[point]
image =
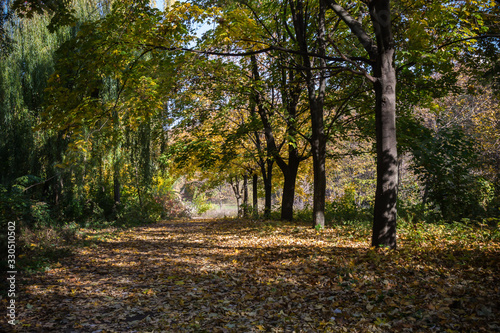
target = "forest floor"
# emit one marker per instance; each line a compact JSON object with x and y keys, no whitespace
{"x":246,"y":276}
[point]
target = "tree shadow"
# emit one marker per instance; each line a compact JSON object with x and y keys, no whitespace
{"x":187,"y":276}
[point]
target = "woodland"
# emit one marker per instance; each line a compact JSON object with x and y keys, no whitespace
{"x":251,"y":165}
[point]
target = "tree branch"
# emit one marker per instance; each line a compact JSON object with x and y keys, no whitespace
{"x":466,"y":39}
{"x":355,"y":27}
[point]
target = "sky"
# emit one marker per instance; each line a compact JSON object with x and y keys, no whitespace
{"x":201,"y":29}
{"x":159,"y":4}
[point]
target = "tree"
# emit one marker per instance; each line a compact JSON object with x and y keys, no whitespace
{"x":287,"y":29}
{"x":5,"y":40}
{"x":44,"y":156}
{"x":382,"y":57}
{"x":106,"y":93}
{"x":290,"y":91}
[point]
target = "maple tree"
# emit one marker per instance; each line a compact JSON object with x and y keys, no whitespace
{"x":381,"y":57}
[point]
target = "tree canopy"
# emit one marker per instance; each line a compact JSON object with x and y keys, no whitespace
{"x":125,"y":96}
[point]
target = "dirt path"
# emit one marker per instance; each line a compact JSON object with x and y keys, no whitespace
{"x":207,"y":276}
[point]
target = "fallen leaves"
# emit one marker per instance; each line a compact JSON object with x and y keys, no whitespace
{"x":243,"y":276}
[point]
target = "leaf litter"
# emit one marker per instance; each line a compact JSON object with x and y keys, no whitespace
{"x":249,"y":276}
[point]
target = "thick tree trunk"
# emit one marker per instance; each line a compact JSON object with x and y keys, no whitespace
{"x":381,"y":54}
{"x":384,"y":222}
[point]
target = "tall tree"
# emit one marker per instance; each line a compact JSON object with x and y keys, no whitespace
{"x":316,"y":87}
{"x":381,"y":52}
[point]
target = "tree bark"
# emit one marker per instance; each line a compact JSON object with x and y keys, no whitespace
{"x":291,"y":91}
{"x":384,"y":222}
{"x":272,"y":151}
{"x":381,"y":54}
{"x":255,"y":204}
{"x":316,"y":87}
{"x":288,"y":198}
{"x":319,"y":191}
{"x":235,"y":185}
{"x":268,"y":188}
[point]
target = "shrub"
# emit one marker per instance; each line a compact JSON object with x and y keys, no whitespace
{"x":172,"y":206}
{"x":444,"y":162}
{"x":345,"y":208}
{"x":200,"y":203}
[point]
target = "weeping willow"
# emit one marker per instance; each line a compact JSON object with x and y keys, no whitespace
{"x":29,"y":159}
{"x":77,"y":173}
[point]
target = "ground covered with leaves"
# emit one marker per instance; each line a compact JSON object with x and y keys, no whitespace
{"x":252,"y":276}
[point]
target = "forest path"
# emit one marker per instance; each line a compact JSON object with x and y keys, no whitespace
{"x":244,"y":276}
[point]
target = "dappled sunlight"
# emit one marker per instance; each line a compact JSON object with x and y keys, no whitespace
{"x":244,"y":276}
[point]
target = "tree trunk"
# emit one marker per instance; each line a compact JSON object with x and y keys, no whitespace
{"x":272,"y":153}
{"x":384,"y":222}
{"x":316,"y":87}
{"x":245,"y":195}
{"x":289,"y":191}
{"x":255,"y":206}
{"x":268,"y":188}
{"x":116,"y":188}
{"x":235,"y":185}
{"x":116,"y":191}
{"x":384,"y":79}
{"x":58,"y":188}
{"x":290,"y":92}
{"x":319,"y":190}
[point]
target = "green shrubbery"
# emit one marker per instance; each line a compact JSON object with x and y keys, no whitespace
{"x":445,"y":163}
{"x":345,"y":208}
{"x":200,"y":203}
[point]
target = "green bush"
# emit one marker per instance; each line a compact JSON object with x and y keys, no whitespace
{"x":40,"y":213}
{"x":16,"y":204}
{"x":444,"y":162}
{"x":345,"y":208}
{"x":200,"y":203}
